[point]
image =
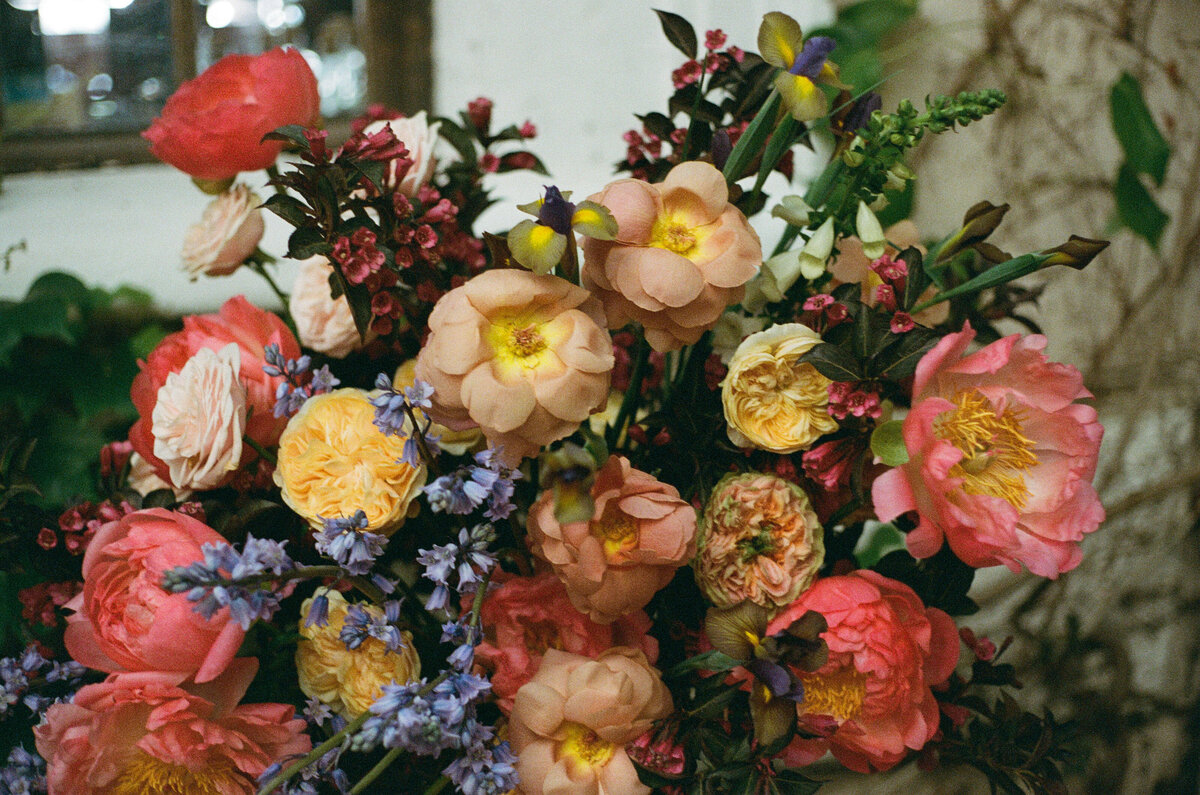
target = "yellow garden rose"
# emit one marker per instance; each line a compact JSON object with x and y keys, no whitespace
{"x":349,"y":680}
{"x":333,"y":461}
{"x":771,"y":401}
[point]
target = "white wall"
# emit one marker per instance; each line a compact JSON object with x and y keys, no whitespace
{"x":578,"y":70}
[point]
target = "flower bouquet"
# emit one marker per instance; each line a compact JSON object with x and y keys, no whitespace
{"x":615,"y":501}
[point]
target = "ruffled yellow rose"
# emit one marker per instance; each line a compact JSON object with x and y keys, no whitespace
{"x":771,"y":401}
{"x":349,"y":680}
{"x":333,"y":461}
{"x":453,"y":442}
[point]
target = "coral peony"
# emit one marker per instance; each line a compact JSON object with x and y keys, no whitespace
{"x":238,"y":321}
{"x":228,"y":233}
{"x":212,"y":126}
{"x":349,"y":680}
{"x":323,"y":323}
{"x":885,"y":651}
{"x":526,"y":616}
{"x":682,"y":254}
{"x":571,"y":722}
{"x":419,"y":138}
{"x":334,"y":460}
{"x":125,"y":621}
{"x":760,"y":540}
{"x":524,"y":357}
{"x":1001,"y":458}
{"x":771,"y":400}
{"x":134,"y":734}
{"x":639,"y":534}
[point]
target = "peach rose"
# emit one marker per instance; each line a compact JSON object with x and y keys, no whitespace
{"x":639,"y":534}
{"x":199,"y":419}
{"x":134,"y":734}
{"x":524,"y":357}
{"x":323,"y":323}
{"x":853,"y":266}
{"x":1000,"y":457}
{"x":238,"y":321}
{"x":570,"y":724}
{"x":886,"y":648}
{"x":526,"y":616}
{"x":760,"y":540}
{"x":682,"y":254}
{"x":333,"y":460}
{"x":772,"y":401}
{"x":419,"y":138}
{"x":125,"y":621}
{"x":228,"y":233}
{"x":349,"y":680}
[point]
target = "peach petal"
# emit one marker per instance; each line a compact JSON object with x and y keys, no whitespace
{"x":635,"y":206}
{"x":699,"y":184}
{"x":495,"y":404}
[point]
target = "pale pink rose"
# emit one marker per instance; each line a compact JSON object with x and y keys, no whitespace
{"x":570,"y":724}
{"x":323,"y":323}
{"x":853,"y":266}
{"x":522,"y":356}
{"x":886,"y":648}
{"x":145,"y":733}
{"x":614,"y":563}
{"x":228,"y":233}
{"x":682,"y":254}
{"x":125,"y":621}
{"x":526,"y":616}
{"x":199,"y":418}
{"x":1001,"y":457}
{"x":419,"y":138}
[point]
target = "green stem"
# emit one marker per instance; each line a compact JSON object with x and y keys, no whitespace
{"x":752,"y":139}
{"x":314,"y":754}
{"x":633,"y":393}
{"x":570,"y":265}
{"x":273,"y":173}
{"x":437,"y":786}
{"x":376,"y":771}
{"x":262,"y":451}
{"x":259,"y":267}
{"x":422,"y":446}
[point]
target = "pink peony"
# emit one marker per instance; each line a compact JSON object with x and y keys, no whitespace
{"x":1001,"y":458}
{"x":526,"y":616}
{"x":144,"y":733}
{"x":570,"y":724}
{"x":872,"y":699}
{"x":238,"y":321}
{"x":613,"y":564}
{"x":125,"y":621}
{"x":522,"y":356}
{"x":682,"y":254}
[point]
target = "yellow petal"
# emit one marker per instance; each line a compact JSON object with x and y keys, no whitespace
{"x":537,"y":247}
{"x":779,"y":39}
{"x":801,"y":97}
{"x":594,"y":220}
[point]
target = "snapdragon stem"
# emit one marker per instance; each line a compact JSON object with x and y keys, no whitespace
{"x":376,"y":771}
{"x":314,"y":754}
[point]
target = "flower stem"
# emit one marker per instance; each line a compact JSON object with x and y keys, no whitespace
{"x":262,"y":451}
{"x":437,"y":786}
{"x":376,"y":771}
{"x":422,"y":446}
{"x":570,"y":264}
{"x":633,"y":393}
{"x":314,"y":754}
{"x":273,"y":173}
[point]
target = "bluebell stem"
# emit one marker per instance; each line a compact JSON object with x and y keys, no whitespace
{"x":24,"y":773}
{"x":292,"y":391}
{"x":242,"y":581}
{"x":347,"y":541}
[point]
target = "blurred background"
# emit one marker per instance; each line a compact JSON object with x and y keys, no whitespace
{"x":1114,"y":646}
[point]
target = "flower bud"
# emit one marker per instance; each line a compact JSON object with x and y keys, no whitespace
{"x":792,"y":209}
{"x":870,"y":232}
{"x":817,"y":250}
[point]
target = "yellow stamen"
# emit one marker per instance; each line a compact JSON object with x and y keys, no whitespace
{"x":520,"y":342}
{"x":146,"y":775}
{"x":618,"y":531}
{"x":674,"y":236}
{"x":995,"y":452}
{"x":838,"y":694}
{"x":586,"y":746}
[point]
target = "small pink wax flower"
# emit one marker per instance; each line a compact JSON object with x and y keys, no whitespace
{"x":144,"y":732}
{"x":886,"y":648}
{"x":639,"y":534}
{"x":526,"y":616}
{"x":522,"y":356}
{"x":681,"y":255}
{"x":1001,"y":457}
{"x":125,"y":621}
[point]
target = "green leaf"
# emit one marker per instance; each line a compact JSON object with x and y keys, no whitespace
{"x":459,"y":138}
{"x":293,"y":133}
{"x":750,"y":143}
{"x":1003,"y":273}
{"x":679,"y":32}
{"x":521,"y":161}
{"x":1146,"y":151}
{"x":289,"y":208}
{"x":780,"y":142}
{"x":371,"y":170}
{"x":658,"y":124}
{"x":887,"y":443}
{"x":834,"y":362}
{"x":307,"y":241}
{"x":899,"y":206}
{"x":901,"y":360}
{"x":874,"y":544}
{"x":793,"y":782}
{"x":706,"y":661}
{"x":1137,"y":208}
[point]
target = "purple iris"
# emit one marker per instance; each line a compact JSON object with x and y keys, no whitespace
{"x":556,"y":212}
{"x":812,"y":58}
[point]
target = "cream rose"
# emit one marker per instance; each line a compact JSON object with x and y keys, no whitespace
{"x":199,"y":419}
{"x":419,"y":138}
{"x":323,"y":323}
{"x":228,"y":233}
{"x":771,"y":401}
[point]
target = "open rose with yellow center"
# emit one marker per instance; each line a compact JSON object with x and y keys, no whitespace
{"x":349,"y":680}
{"x":682,"y":254}
{"x":522,"y":356}
{"x":1001,"y":457}
{"x":570,"y":724}
{"x":334,"y":460}
{"x":773,"y":401}
{"x":759,"y":540}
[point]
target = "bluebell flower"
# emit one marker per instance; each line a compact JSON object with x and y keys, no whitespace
{"x":24,"y":773}
{"x":347,"y":541}
{"x":361,"y":624}
{"x":241,"y":581}
{"x":291,"y":393}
